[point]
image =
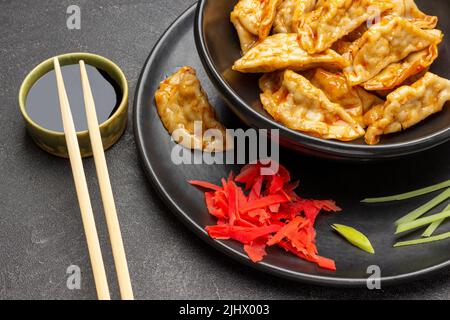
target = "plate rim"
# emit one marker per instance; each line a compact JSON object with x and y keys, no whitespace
{"x":220,"y":245}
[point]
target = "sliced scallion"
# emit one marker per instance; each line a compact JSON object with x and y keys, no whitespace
{"x":423,"y":240}
{"x":425,"y":208}
{"x":411,"y":225}
{"x":432,"y":228}
{"x":409,"y":195}
{"x":355,"y":237}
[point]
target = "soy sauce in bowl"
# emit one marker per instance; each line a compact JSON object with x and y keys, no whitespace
{"x":42,"y":103}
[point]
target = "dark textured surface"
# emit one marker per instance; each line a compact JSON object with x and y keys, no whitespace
{"x":40,"y":228}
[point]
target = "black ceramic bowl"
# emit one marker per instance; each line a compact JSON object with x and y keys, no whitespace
{"x":218,"y":47}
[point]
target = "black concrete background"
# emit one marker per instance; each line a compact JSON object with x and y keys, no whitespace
{"x":40,"y":228}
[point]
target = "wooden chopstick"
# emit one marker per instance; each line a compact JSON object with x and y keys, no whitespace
{"x":112,"y":221}
{"x":79,"y":177}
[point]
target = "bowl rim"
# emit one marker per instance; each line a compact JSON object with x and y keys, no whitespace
{"x":122,"y":81}
{"x":331,"y":147}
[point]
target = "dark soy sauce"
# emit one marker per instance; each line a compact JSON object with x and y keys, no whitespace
{"x":43,"y":103}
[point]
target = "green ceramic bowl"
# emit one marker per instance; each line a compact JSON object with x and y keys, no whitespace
{"x":54,"y":142}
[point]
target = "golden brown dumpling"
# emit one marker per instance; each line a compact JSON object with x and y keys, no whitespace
{"x":396,"y":74}
{"x":319,"y":29}
{"x":246,"y":38}
{"x":406,"y":9}
{"x":387,"y":42}
{"x":368,"y":99}
{"x":289,"y":13}
{"x":407,"y":106}
{"x":409,"y":10}
{"x":282,"y":51}
{"x":355,"y":100}
{"x":407,"y":82}
{"x":292,"y":100}
{"x":253,"y":20}
{"x":181,"y":103}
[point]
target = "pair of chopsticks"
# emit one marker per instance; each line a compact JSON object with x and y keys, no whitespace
{"x":84,"y":201}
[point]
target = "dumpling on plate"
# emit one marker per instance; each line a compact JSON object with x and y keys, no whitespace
{"x":335,"y":19}
{"x":246,"y":38}
{"x":409,"y":10}
{"x":289,"y":13}
{"x":384,"y":43}
{"x":182,"y":104}
{"x":355,"y":100}
{"x":253,"y":20}
{"x":396,"y":74}
{"x":283,"y":51}
{"x":295,"y":102}
{"x":407,"y":82}
{"x":407,"y":106}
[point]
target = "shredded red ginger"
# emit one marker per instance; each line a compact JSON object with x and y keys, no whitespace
{"x":267,"y":213}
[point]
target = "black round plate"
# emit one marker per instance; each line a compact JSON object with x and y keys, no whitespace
{"x":320,"y":179}
{"x":218,"y":54}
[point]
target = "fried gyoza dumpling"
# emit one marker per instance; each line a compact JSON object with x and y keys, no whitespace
{"x":292,"y":100}
{"x":253,"y":20}
{"x":387,"y":42}
{"x":407,"y":82}
{"x":397,"y":73}
{"x":407,"y":106}
{"x":282,"y":51}
{"x":319,"y":29}
{"x":289,"y":13}
{"x":355,"y":100}
{"x":246,"y":38}
{"x":408,"y":10}
{"x":181,"y":103}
